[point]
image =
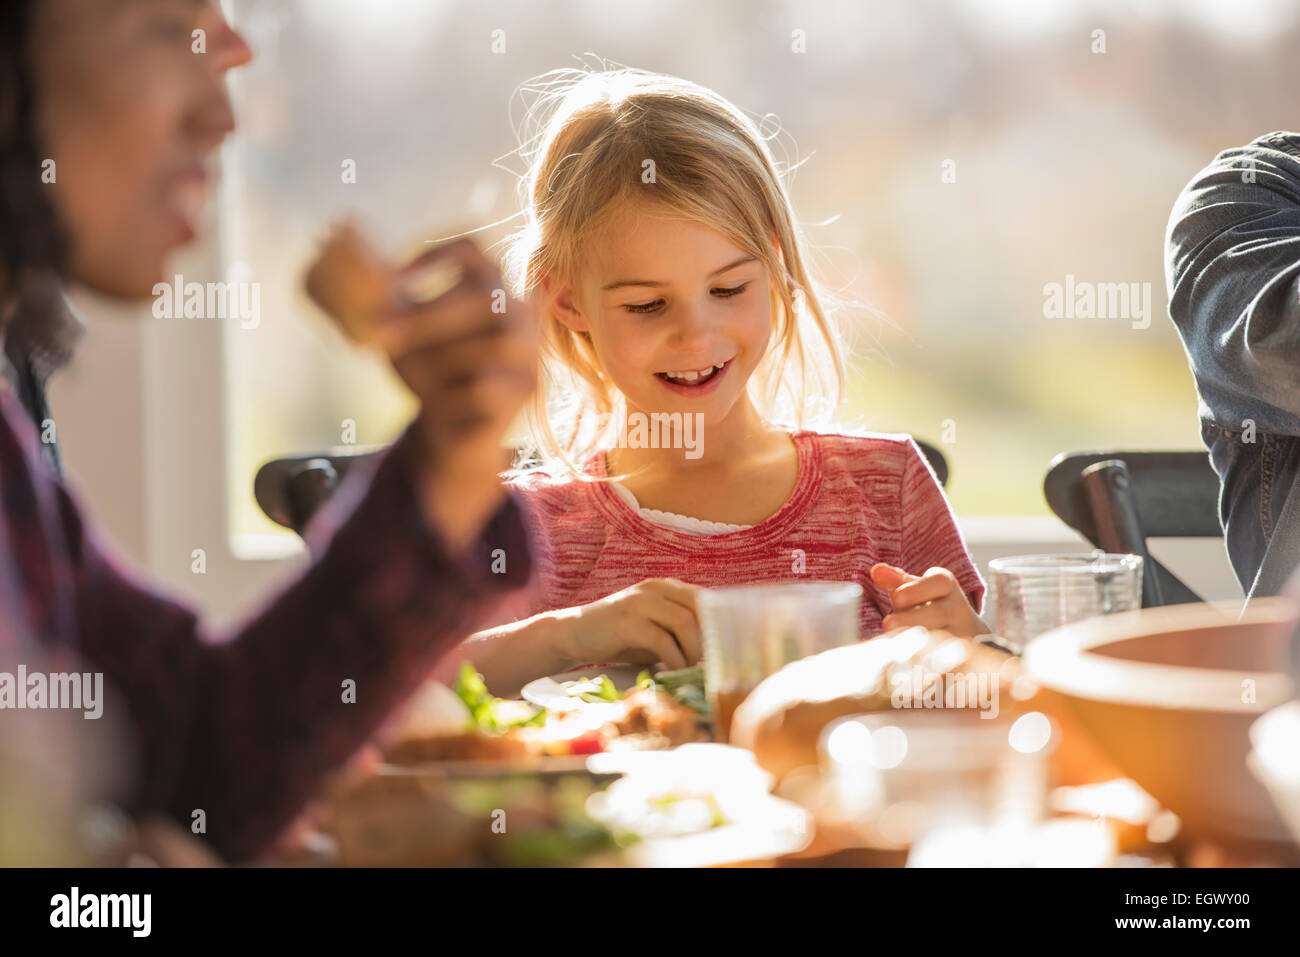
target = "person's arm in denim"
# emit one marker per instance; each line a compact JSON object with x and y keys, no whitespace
{"x":1233,"y":273}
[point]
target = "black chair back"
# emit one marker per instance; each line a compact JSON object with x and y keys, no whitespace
{"x":1117,"y":500}
{"x":936,"y":460}
{"x":293,"y":489}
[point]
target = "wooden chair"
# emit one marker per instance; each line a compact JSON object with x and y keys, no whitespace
{"x":1117,"y":500}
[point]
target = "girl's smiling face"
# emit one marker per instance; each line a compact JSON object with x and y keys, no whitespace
{"x":677,"y":313}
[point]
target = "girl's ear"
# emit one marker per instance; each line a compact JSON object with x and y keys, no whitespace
{"x":564,"y":303}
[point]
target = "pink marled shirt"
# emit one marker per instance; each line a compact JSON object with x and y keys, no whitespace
{"x":858,"y":500}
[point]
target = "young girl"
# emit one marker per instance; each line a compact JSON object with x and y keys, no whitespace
{"x":680,"y":325}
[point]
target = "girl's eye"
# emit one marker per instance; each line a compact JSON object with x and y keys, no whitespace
{"x":644,"y":307}
{"x":728,"y":293}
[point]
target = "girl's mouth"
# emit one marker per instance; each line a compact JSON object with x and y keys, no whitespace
{"x":695,"y":381}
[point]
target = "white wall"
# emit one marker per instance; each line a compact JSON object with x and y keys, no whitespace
{"x":141,"y":421}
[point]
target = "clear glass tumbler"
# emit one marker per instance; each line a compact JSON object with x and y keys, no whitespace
{"x":909,"y":780}
{"x":751,"y":631}
{"x":1035,"y":593}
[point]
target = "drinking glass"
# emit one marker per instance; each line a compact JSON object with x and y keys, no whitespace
{"x":924,"y":782}
{"x":1035,"y":593}
{"x":751,"y":631}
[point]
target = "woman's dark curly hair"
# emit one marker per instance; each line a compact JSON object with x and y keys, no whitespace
{"x":31,"y":240}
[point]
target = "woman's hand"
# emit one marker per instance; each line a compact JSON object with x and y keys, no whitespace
{"x":467,"y":351}
{"x":933,"y":600}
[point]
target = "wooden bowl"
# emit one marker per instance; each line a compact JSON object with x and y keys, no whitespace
{"x":1170,"y":694}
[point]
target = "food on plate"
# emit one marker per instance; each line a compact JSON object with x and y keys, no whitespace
{"x":591,"y":690}
{"x":408,"y":820}
{"x":489,"y":713}
{"x":687,"y":686}
{"x":702,"y":804}
{"x":585,"y":716}
{"x":470,"y":745}
{"x":523,"y":822}
{"x":782,"y":719}
{"x":463,"y":723}
{"x":395,"y":821}
{"x":650,"y":809}
{"x":654,"y":712}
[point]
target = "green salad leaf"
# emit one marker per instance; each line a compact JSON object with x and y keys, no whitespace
{"x":546,"y":823}
{"x":560,"y":844}
{"x":666,"y":801}
{"x":595,"y":689}
{"x":490,"y":713}
{"x":686,"y":685}
{"x":682,"y":677}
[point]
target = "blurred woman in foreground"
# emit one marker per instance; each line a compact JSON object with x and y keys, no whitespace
{"x":130,"y":107}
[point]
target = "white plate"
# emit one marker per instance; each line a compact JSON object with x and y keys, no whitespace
{"x":548,"y":693}
{"x":761,"y":826}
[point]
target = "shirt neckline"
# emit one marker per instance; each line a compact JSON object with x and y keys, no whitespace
{"x":807,"y":485}
{"x":686,"y":523}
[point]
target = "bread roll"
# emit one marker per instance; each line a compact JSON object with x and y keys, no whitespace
{"x":782,"y":719}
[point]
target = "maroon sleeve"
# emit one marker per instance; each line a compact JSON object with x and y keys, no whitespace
{"x":930,"y":534}
{"x":245,"y":727}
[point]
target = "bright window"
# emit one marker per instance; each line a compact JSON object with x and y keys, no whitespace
{"x":961,"y":157}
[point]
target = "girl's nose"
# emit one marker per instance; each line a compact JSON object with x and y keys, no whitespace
{"x":692,"y":328}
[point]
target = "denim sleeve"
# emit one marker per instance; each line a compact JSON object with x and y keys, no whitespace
{"x":1232,"y":267}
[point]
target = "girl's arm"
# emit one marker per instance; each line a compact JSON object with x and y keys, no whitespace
{"x":653,"y":621}
{"x":509,"y":656}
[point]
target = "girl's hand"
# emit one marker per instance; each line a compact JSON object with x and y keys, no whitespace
{"x":647,"y":623}
{"x":933,"y":600}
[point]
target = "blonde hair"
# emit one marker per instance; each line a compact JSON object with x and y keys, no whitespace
{"x":587,"y":140}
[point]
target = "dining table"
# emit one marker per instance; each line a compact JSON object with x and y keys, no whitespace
{"x":1100,"y":817}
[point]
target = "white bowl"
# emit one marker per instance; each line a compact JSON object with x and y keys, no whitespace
{"x":1170,"y":695}
{"x":1275,"y":760}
